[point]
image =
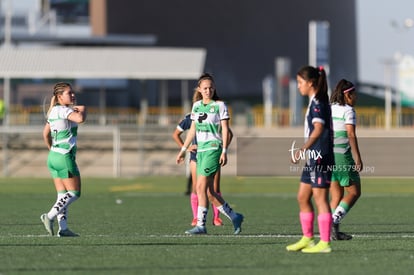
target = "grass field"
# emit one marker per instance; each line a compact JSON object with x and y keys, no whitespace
{"x":145,"y":233}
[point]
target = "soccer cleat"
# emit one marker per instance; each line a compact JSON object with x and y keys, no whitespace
{"x":237,"y":223}
{"x":336,"y":235}
{"x":304,"y":242}
{"x":47,"y":223}
{"x":197,"y":230}
{"x":321,"y":247}
{"x":217,"y":222}
{"x":66,"y":233}
{"x":340,"y":236}
{"x":335,"y":228}
{"x":194,"y":222}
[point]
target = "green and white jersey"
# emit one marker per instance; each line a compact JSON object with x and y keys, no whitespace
{"x":207,"y":120}
{"x":63,"y":131}
{"x":341,"y":116}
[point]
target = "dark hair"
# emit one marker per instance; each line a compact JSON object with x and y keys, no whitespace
{"x":207,"y":76}
{"x":341,"y":88}
{"x":318,"y":78}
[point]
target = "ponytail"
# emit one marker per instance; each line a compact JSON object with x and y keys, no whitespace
{"x":53,"y":102}
{"x":322,"y":86}
{"x":317,"y":76}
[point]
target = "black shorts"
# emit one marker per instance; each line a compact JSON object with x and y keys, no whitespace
{"x":316,"y":175}
{"x":193,"y":156}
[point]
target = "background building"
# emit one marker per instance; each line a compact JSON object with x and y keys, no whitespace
{"x":242,"y":38}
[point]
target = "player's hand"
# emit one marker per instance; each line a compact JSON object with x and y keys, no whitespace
{"x":180,"y":157}
{"x":79,"y":108}
{"x":296,"y":157}
{"x":223,"y":159}
{"x":358,"y":166}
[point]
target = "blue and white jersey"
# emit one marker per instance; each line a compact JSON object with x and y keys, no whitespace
{"x":185,"y":124}
{"x":320,"y":112}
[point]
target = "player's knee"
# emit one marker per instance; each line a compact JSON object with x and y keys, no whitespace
{"x":353,"y":196}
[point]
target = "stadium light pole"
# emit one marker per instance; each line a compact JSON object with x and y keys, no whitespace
{"x":6,"y":45}
{"x":6,"y":83}
{"x":7,"y":24}
{"x":406,"y":25}
{"x":388,"y":93}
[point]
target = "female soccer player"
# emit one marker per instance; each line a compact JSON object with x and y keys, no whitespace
{"x":60,"y":134}
{"x":318,"y":149}
{"x":348,"y":161}
{"x":185,"y":125}
{"x":210,"y":126}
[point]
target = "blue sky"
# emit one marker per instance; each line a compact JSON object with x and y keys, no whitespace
{"x":382,"y":35}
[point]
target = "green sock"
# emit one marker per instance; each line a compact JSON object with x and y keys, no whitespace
{"x":340,"y":212}
{"x":344,"y":206}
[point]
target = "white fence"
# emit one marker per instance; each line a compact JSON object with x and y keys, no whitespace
{"x":102,"y":151}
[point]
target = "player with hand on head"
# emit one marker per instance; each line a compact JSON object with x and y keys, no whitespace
{"x":60,"y":135}
{"x":348,"y":162}
{"x":210,"y":125}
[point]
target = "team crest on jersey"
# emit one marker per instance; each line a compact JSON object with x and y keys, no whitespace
{"x":212,"y":109}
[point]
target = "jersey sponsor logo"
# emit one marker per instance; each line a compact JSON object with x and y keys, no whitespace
{"x":202,"y":117}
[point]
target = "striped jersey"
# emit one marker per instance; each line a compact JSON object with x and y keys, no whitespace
{"x":341,"y":116}
{"x":63,"y":131}
{"x":207,"y":118}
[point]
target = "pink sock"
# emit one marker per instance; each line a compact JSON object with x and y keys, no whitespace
{"x":216,"y":212}
{"x":325,"y":224}
{"x":194,"y":204}
{"x":306,"y":220}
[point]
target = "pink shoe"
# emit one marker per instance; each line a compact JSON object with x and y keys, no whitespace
{"x":217,"y":222}
{"x":194,"y":222}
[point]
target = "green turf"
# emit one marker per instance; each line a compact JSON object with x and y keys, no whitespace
{"x":145,"y":234}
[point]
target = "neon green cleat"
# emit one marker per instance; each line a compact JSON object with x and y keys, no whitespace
{"x":305,"y":242}
{"x":321,"y":247}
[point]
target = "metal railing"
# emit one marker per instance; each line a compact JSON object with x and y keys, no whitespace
{"x":370,"y":117}
{"x":366,"y":117}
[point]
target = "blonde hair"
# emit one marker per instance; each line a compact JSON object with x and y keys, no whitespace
{"x":57,"y":90}
{"x":197,"y":95}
